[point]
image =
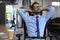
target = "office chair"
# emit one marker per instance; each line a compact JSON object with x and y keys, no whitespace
{"x":53,"y":27}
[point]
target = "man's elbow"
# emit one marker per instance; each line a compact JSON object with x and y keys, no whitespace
{"x":51,"y":9}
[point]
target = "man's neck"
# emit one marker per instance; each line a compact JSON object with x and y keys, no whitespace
{"x":36,"y":14}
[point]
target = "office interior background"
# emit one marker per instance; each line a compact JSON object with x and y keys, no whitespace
{"x":11,"y":22}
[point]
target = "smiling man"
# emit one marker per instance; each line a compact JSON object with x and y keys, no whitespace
{"x":36,"y":24}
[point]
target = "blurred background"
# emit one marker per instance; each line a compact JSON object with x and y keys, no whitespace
{"x":12,"y":25}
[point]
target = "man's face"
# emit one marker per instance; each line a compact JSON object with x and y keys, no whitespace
{"x":36,"y":8}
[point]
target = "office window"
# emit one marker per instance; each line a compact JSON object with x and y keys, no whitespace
{"x":9,"y":11}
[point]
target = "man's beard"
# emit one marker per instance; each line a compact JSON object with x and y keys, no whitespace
{"x":36,"y":12}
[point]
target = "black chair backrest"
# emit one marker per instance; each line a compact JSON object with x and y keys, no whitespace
{"x":53,"y":26}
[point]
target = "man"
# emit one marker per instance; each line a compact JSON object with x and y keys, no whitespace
{"x":36,"y":23}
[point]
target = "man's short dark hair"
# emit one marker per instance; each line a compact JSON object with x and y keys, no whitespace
{"x":33,"y":4}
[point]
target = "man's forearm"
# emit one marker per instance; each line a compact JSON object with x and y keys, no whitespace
{"x":28,"y":10}
{"x":45,"y":9}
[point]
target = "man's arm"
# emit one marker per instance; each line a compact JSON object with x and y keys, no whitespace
{"x":45,"y":9}
{"x":28,"y":10}
{"x":50,"y":12}
{"x":22,"y":12}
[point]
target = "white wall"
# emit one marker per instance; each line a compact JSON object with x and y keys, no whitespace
{"x":57,"y":12}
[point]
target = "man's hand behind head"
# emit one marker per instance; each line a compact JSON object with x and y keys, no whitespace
{"x":28,"y":10}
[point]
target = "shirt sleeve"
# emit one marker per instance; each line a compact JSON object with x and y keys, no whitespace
{"x":50,"y":12}
{"x":23,"y":14}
